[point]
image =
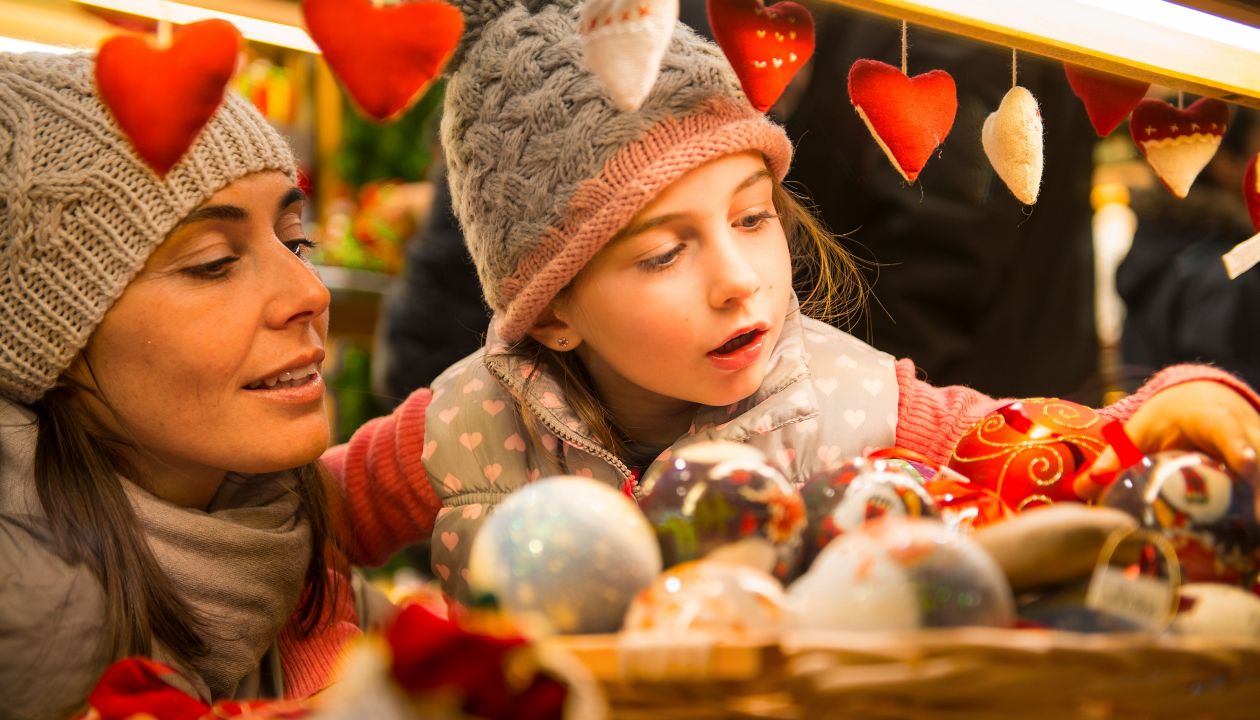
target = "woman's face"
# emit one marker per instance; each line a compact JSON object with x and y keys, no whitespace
{"x":688,"y":301}
{"x":210,"y":360}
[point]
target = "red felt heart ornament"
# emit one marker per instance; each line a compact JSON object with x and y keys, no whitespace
{"x":909,"y":116}
{"x":162,"y":98}
{"x":1251,"y":190}
{"x":765,"y":45}
{"x":1108,"y":98}
{"x":385,"y":57}
{"x":1178,"y":143}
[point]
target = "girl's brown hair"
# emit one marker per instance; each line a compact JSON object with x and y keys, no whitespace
{"x":828,"y":279}
{"x":77,"y":476}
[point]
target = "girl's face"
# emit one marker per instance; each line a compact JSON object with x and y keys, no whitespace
{"x":688,"y":300}
{"x":210,"y":360}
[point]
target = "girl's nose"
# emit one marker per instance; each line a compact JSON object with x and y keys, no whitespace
{"x":734,"y":278}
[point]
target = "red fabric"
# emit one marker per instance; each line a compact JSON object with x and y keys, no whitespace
{"x":1108,"y":99}
{"x":909,"y":116}
{"x":432,"y":653}
{"x":1251,"y":190}
{"x":386,"y":56}
{"x":137,"y":689}
{"x":162,"y":98}
{"x":766,"y":46}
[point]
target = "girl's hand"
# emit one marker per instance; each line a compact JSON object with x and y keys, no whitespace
{"x":1200,"y":415}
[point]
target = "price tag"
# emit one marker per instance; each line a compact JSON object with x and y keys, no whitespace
{"x":1137,"y":579}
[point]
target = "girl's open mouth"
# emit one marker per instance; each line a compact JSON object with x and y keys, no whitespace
{"x":735,"y":344}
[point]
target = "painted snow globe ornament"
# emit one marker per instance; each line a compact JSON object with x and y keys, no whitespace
{"x":566,"y":552}
{"x":859,"y":491}
{"x":1206,"y":512}
{"x":724,"y":500}
{"x":901,"y":574}
{"x":1031,"y":451}
{"x":704,"y":595}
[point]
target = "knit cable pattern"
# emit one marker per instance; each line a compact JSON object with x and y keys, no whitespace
{"x":80,"y":212}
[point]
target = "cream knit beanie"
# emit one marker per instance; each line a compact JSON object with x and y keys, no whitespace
{"x":80,"y":211}
{"x":545,"y":169}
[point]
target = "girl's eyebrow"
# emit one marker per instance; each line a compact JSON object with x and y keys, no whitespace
{"x":234,"y":213}
{"x":643,"y":226}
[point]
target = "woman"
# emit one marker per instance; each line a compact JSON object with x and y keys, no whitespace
{"x":161,"y":407}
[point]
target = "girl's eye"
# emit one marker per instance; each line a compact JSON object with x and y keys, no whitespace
{"x":301,"y":247}
{"x":662,"y":261}
{"x":213,"y":270}
{"x":755,"y":220}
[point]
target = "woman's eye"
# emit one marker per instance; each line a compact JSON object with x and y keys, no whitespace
{"x":662,"y":261}
{"x":301,"y":247}
{"x":755,"y":220}
{"x":213,"y":270}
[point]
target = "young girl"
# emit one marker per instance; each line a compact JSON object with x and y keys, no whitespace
{"x":161,"y":408}
{"x":639,"y":266}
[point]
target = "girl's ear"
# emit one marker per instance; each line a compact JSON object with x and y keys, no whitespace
{"x":551,"y":331}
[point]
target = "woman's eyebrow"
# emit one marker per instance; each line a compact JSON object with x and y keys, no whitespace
{"x":234,"y":213}
{"x":294,"y":194}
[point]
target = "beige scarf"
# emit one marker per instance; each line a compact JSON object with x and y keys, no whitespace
{"x":241,"y":565}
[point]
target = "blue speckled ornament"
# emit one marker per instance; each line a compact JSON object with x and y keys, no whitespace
{"x":568,"y":550}
{"x":724,"y":499}
{"x":1206,"y":512}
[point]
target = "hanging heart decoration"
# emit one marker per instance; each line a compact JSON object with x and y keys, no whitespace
{"x":161,"y":98}
{"x":1251,"y":190}
{"x":1177,"y":143}
{"x":1012,"y":140}
{"x":623,"y":42}
{"x":909,"y":116}
{"x":385,"y":57}
{"x":765,"y":45}
{"x":1108,"y":98}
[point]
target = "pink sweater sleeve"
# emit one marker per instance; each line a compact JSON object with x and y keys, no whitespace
{"x":387,"y":500}
{"x":930,"y":420}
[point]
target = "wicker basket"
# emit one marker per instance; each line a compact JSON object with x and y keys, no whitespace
{"x":970,"y":673}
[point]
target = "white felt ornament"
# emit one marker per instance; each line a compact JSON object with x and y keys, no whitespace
{"x":1012,"y":140}
{"x":624,"y":41}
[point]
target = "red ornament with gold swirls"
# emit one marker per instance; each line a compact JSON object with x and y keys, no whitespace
{"x":1029,"y":452}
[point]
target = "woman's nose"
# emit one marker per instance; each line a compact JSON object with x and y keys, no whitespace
{"x":300,"y":295}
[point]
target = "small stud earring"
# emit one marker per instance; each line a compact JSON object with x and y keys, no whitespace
{"x":563,"y":342}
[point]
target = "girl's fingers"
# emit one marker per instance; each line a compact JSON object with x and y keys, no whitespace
{"x":1090,"y":484}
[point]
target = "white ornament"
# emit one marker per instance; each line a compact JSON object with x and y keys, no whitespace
{"x":624,"y":41}
{"x":1012,"y":141}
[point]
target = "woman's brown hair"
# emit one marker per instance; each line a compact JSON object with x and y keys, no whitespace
{"x":78,"y":478}
{"x":828,"y":278}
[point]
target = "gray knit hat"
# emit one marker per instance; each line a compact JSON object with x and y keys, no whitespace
{"x":80,"y":212}
{"x":544,"y":169}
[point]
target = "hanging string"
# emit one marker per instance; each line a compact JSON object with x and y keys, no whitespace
{"x":163,"y":26}
{"x":1013,"y":61}
{"x":1181,"y":99}
{"x":903,"y":48}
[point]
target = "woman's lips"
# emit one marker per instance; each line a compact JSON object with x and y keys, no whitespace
{"x":742,"y":356}
{"x":309,"y":390}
